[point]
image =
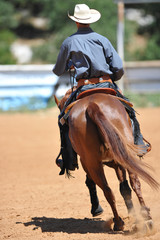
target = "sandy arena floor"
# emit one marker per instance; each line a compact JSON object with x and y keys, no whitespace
{"x":36,"y":203}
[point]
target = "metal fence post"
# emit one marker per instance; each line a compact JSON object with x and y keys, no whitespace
{"x":120,"y":37}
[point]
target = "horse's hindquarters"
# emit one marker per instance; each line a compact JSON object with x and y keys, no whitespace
{"x":84,"y":135}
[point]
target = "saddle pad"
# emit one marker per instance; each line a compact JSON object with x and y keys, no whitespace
{"x":102,"y":90}
{"x":97,"y":90}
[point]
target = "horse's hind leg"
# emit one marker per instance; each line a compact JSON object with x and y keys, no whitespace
{"x":125,"y":190}
{"x":124,"y":187}
{"x":96,"y":208}
{"x":136,"y":186}
{"x":97,"y":175}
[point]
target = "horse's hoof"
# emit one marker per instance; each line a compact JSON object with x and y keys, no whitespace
{"x":118,"y":225}
{"x":134,"y":228}
{"x":97,"y":211}
{"x":149,"y":224}
{"x":145,"y":228}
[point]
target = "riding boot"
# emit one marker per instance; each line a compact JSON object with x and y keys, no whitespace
{"x":69,"y":156}
{"x":138,"y":138}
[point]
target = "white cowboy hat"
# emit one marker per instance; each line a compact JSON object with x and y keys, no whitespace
{"x":83,"y":14}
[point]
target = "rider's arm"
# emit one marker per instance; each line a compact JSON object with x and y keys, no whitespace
{"x":114,"y":61}
{"x":61,"y":63}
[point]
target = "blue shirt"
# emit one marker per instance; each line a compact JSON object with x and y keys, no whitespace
{"x":91,"y":54}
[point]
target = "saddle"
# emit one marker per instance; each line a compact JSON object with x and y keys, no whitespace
{"x":89,"y":92}
{"x":96,"y":90}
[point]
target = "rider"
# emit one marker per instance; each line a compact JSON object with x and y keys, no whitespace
{"x":96,"y":64}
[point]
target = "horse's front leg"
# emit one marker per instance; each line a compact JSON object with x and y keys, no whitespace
{"x":96,"y":209}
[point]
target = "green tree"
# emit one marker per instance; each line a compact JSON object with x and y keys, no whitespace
{"x":6,"y":38}
{"x":149,"y":32}
{"x":15,"y":18}
{"x":7,"y":19}
{"x":63,"y":26}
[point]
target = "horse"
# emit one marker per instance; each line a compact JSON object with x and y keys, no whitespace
{"x":100,"y":131}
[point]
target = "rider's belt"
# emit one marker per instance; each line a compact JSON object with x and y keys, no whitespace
{"x":83,"y":81}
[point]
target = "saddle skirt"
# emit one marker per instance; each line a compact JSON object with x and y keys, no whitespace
{"x":96,"y":90}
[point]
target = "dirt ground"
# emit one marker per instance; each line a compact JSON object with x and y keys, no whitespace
{"x":36,"y":203}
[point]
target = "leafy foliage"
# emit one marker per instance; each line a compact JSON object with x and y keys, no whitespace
{"x":144,"y":99}
{"x":15,"y":16}
{"x":6,"y":37}
{"x":150,"y":32}
{"x":7,"y":19}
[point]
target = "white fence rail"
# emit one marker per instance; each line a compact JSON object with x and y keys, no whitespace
{"x":27,"y":80}
{"x":19,"y":83}
{"x":142,"y":76}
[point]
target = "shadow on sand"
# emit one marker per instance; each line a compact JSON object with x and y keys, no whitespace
{"x":67,"y":225}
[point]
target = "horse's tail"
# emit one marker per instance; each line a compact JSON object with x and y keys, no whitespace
{"x":123,"y":152}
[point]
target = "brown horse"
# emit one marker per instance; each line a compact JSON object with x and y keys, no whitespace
{"x":101,"y":133}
